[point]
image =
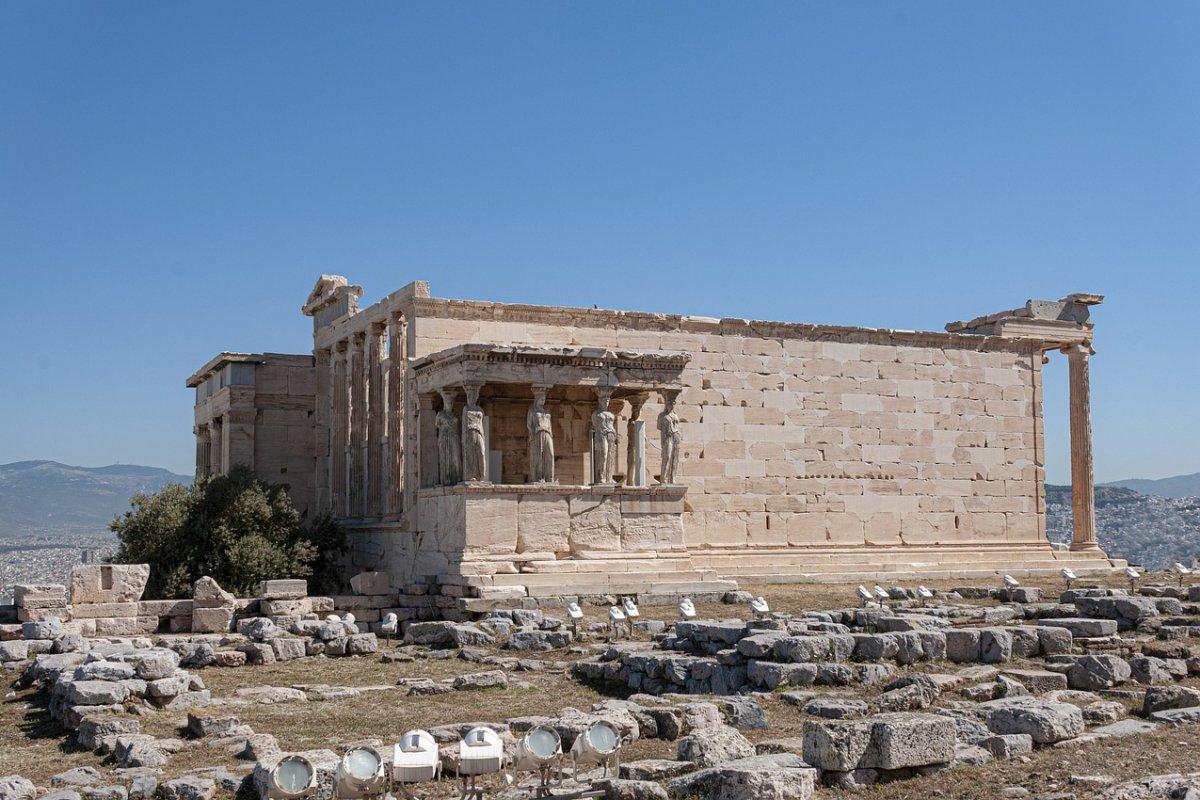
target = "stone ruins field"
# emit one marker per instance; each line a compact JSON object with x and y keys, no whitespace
{"x":1037,"y":692}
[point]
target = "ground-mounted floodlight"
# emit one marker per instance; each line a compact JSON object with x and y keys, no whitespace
{"x":360,"y":774}
{"x":1181,"y":571}
{"x":687,"y":609}
{"x":630,"y":608}
{"x":597,"y":746}
{"x":389,"y":625}
{"x":924,"y":593}
{"x":1010,"y":582}
{"x":415,"y":760}
{"x":539,"y":751}
{"x":864,"y":595}
{"x":1133,"y":576}
{"x":616,"y":618}
{"x":1069,"y":576}
{"x":481,"y":752}
{"x":292,"y":777}
{"x":881,"y":595}
{"x":760,"y":608}
{"x":574,"y":614}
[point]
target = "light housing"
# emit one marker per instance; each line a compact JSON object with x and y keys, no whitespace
{"x":881,"y":593}
{"x":1132,"y":573}
{"x":390,"y":623}
{"x":480,"y":752}
{"x":1011,"y":582}
{"x":630,"y":608}
{"x":864,"y":594}
{"x":292,"y":776}
{"x":924,"y":592}
{"x":416,"y":758}
{"x":759,"y":606}
{"x":574,"y":611}
{"x":687,"y":609}
{"x":598,"y":745}
{"x":538,"y":748}
{"x":1181,"y":569}
{"x":360,"y":773}
{"x":1067,"y":574}
{"x":615,"y":614}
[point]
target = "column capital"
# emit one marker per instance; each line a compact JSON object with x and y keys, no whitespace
{"x":1079,"y":350}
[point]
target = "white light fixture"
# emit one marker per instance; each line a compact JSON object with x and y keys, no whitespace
{"x":864,"y":594}
{"x":1010,"y":582}
{"x":360,"y":773}
{"x":481,"y":752}
{"x":687,"y":609}
{"x":539,"y":750}
{"x":924,"y":593}
{"x":416,"y":758}
{"x":1068,"y":575}
{"x":1133,"y":576}
{"x":389,"y":625}
{"x":630,"y":608}
{"x":598,"y":745}
{"x":881,"y":594}
{"x":760,"y":608}
{"x":616,"y":618}
{"x":1181,"y":571}
{"x":292,"y":777}
{"x":574,"y":614}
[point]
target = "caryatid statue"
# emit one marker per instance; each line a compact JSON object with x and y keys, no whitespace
{"x":474,"y":442}
{"x":449,"y":458}
{"x":604,"y":439}
{"x":541,"y":439}
{"x":670,"y":437}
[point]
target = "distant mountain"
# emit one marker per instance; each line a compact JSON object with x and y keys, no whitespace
{"x":48,"y":501}
{"x":1145,"y":529}
{"x":1177,"y":486}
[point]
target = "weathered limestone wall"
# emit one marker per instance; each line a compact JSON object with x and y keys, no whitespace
{"x":806,"y":436}
{"x":265,"y":420}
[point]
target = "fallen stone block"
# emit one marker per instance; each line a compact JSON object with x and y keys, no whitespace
{"x":1046,"y":722}
{"x":1095,"y":672}
{"x":713,"y":745}
{"x":781,"y":776}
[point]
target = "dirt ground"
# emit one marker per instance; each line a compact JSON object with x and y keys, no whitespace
{"x":33,"y":746}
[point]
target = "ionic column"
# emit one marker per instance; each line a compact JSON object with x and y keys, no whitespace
{"x":323,"y":484}
{"x":1083,"y":487}
{"x":340,"y":425}
{"x":635,"y":456}
{"x":358,"y":425}
{"x":375,"y":420}
{"x":216,"y":453}
{"x":202,"y":447}
{"x":397,"y":364}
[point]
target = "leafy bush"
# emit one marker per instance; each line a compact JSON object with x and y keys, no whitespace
{"x":233,"y":527}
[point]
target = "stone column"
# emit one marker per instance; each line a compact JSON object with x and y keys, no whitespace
{"x":203,"y":444}
{"x":322,"y":477}
{"x":427,"y":442}
{"x":358,"y":425}
{"x":216,"y":453}
{"x":340,"y":425}
{"x":375,"y":420}
{"x":1083,"y":487}
{"x":604,"y":438}
{"x":397,"y":365}
{"x":635,"y":456}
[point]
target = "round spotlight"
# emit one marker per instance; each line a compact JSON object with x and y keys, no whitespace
{"x":293,"y":776}
{"x":360,"y":773}
{"x":574,"y":611}
{"x":1011,"y":582}
{"x":539,"y":747}
{"x":598,"y":745}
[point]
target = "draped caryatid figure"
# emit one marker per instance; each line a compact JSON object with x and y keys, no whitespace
{"x":670,"y":438}
{"x":541,"y":439}
{"x":604,"y":439}
{"x":474,"y":439}
{"x":448,"y":443}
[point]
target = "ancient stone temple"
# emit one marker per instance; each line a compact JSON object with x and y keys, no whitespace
{"x":520,"y":450}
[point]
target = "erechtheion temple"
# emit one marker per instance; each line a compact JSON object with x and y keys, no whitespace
{"x":523,"y":451}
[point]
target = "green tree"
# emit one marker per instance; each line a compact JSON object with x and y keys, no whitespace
{"x":234,"y":527}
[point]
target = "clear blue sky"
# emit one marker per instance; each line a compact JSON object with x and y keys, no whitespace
{"x":173,"y":178}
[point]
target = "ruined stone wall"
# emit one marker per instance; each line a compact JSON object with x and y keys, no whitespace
{"x":809,"y":436}
{"x":284,"y":438}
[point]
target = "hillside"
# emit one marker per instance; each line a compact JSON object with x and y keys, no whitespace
{"x":1178,"y":486}
{"x":1146,"y":529}
{"x":48,"y":501}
